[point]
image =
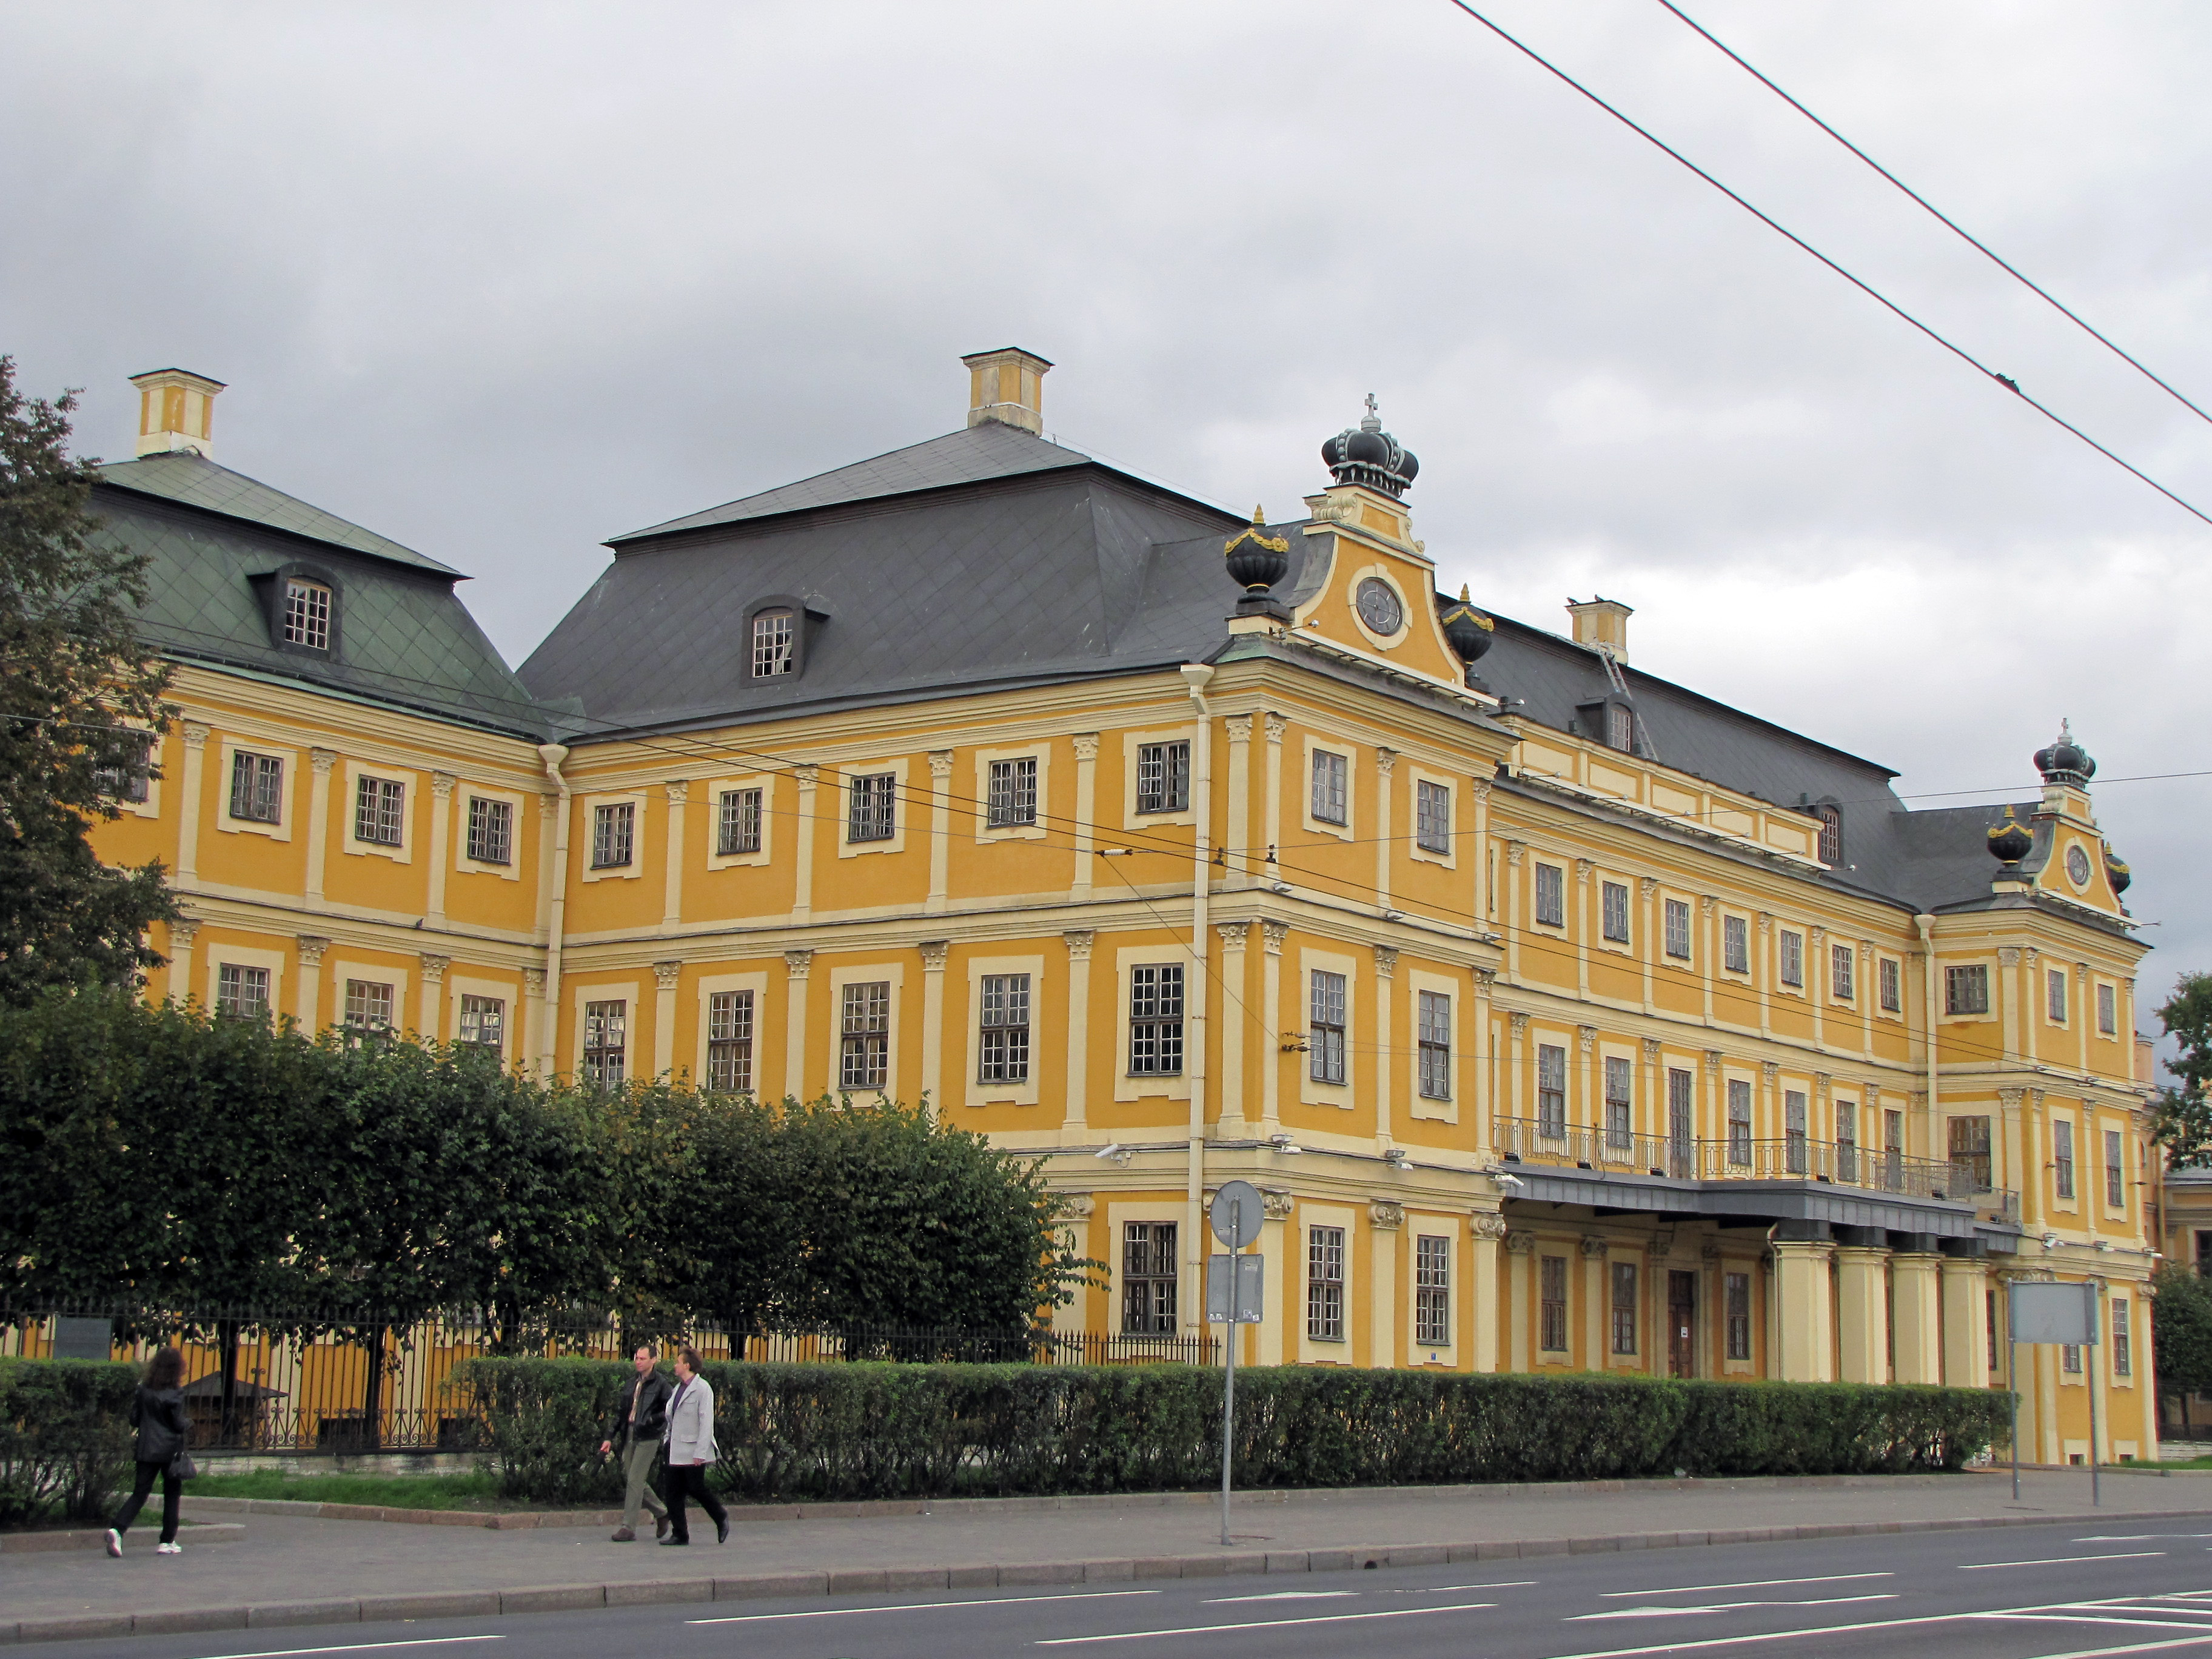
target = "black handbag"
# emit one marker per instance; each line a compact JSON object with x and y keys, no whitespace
{"x":181,"y":1466}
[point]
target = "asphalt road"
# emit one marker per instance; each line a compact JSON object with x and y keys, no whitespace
{"x":2073,"y":1590}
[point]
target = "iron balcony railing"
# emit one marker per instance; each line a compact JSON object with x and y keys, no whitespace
{"x":1738,"y":1157}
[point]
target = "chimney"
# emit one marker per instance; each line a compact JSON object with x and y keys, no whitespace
{"x":1602,"y":624}
{"x":176,"y":410}
{"x":1007,"y":386}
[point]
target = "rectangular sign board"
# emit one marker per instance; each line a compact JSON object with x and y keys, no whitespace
{"x":1251,"y":1287}
{"x":2053,"y":1313}
{"x":83,"y":1339}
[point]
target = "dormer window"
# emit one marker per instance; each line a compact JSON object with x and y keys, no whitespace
{"x":306,"y":614}
{"x":773,"y":637}
{"x":1620,"y":728}
{"x":1832,"y":833}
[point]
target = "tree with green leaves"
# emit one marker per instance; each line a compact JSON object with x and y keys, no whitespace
{"x":2181,"y":1333}
{"x":75,"y":684}
{"x":2181,"y":1120}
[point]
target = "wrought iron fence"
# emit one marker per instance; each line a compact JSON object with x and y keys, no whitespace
{"x":264,"y":1380}
{"x":1794,"y":1158}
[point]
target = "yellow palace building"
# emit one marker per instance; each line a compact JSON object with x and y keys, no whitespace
{"x":1566,"y":1019}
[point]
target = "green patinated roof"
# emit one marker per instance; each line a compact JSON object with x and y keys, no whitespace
{"x":196,"y":482}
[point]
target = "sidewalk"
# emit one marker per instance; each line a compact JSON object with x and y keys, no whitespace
{"x":290,"y":1569}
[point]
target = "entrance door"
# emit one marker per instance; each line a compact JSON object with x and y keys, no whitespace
{"x":1681,"y":1321}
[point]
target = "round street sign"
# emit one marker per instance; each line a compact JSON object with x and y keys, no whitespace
{"x":1242,"y":1199}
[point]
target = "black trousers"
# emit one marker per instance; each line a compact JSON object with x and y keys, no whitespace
{"x":682,"y":1480}
{"x":173,"y":1489}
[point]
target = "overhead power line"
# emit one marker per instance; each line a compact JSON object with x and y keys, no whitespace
{"x":1949,"y":223}
{"x":1863,"y":287}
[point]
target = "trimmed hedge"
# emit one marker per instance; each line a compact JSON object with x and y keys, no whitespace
{"x":65,"y":1438}
{"x":885,"y":1430}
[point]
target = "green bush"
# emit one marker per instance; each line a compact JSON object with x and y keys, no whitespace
{"x":872,"y":1430}
{"x":65,"y":1438}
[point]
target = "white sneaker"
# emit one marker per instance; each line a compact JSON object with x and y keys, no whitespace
{"x":115,"y":1543}
{"x":169,"y":1549}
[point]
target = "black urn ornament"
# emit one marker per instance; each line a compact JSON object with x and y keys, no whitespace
{"x":1256,"y":560}
{"x":2011,"y":841}
{"x":1366,"y":455}
{"x":2117,"y":871}
{"x":2065,"y":761}
{"x":1469,"y":631}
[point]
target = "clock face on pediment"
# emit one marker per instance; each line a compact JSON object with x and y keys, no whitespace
{"x":2077,"y":865}
{"x":1379,"y":606}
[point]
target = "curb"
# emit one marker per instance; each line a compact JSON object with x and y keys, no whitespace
{"x":568,"y":1598}
{"x":40,"y":1543}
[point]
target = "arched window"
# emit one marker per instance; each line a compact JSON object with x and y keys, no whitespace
{"x":1832,"y":833}
{"x":303,"y":605}
{"x":775,"y":636}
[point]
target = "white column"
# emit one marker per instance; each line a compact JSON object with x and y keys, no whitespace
{"x":306,"y":995}
{"x":666,"y":976}
{"x":1478,"y":790}
{"x":1271,"y":809}
{"x":536,"y":1038}
{"x":1386,"y":770}
{"x":1235,"y":1030}
{"x":1647,"y":933}
{"x":672,"y":907}
{"x":940,"y":828}
{"x":1086,"y":798}
{"x":1918,"y":1354}
{"x":933,"y":952}
{"x":1386,"y":1223}
{"x":796,"y":964}
{"x":441,"y":821}
{"x":1487,"y":1230}
{"x":182,"y":932}
{"x":802,"y":898}
{"x":1478,"y":1061}
{"x":434,"y":991}
{"x":1276,"y":1307}
{"x":1965,"y":1323}
{"x":1272,"y":935}
{"x":319,"y":819}
{"x":1386,"y":974}
{"x":188,"y":817}
{"x":1862,"y":1313}
{"x":1583,"y":869}
{"x":1239,"y":837}
{"x":1074,"y":1127}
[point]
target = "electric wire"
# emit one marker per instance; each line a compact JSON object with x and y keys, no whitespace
{"x":1949,"y":223}
{"x":1865,"y":287}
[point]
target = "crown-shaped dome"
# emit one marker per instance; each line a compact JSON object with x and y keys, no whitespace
{"x":2064,"y":760}
{"x":1366,"y":455}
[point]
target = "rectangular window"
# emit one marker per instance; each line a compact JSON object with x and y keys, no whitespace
{"x":2061,"y":1156}
{"x":1620,"y":1104}
{"x":1624,"y":1307}
{"x":1551,"y":1091}
{"x":1990,"y":1302}
{"x":242,"y":991}
{"x":772,"y":643}
{"x":738,"y":824}
{"x":2123,"y":1358}
{"x":730,"y":1041}
{"x":1892,"y":975}
{"x":491,"y":830}
{"x":605,"y":1042}
{"x":129,"y":778}
{"x":1325,"y":1029}
{"x":1735,"y":944}
{"x":1325,"y":1283}
{"x":1847,"y":1141}
{"x":1677,"y":928}
{"x":1681,"y":1124}
{"x":1013,"y":800}
{"x":1432,"y":1291}
{"x":1791,"y":952}
{"x":1966,"y":990}
{"x":306,"y":614}
{"x":1552,"y":894}
{"x":2115,"y":1179}
{"x":1148,"y":1277}
{"x":1614,"y":897}
{"x":1843,"y":962}
{"x":1329,"y":804}
{"x":1620,"y":728}
{"x":1739,"y":1123}
{"x":1005,"y":1034}
{"x":2108,"y":1010}
{"x":1970,"y":1152}
{"x":483,"y":1023}
{"x":2070,"y":1358}
{"x":614,"y":830}
{"x":1736,"y":1289}
{"x":2054,"y":995}
{"x":870,"y":814}
{"x":1793,"y":1132}
{"x":1156,"y":1020}
{"x":367,"y":1004}
{"x":864,"y":1052}
{"x":1435,"y":1039}
{"x":256,"y":788}
{"x":379,"y":811}
{"x":1551,"y":1335}
{"x":1164,"y":777}
{"x":1432,"y":817}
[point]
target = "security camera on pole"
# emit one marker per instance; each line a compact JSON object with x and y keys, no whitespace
{"x":1236,"y":1286}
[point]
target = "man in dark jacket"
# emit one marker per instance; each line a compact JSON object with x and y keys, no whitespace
{"x":640,"y":1419}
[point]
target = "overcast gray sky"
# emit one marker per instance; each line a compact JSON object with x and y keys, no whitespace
{"x":501,"y":282}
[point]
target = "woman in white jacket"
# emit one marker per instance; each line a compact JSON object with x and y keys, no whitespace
{"x":691,"y":1451}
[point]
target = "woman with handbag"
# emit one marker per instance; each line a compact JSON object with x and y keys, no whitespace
{"x":157,"y":1412}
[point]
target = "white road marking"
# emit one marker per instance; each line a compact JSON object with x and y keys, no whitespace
{"x":1719,"y":1607}
{"x":1749,"y":1584}
{"x":1279,"y":1595}
{"x":2134,"y":1537}
{"x":2139,"y":1647}
{"x":2059,"y":1560}
{"x":1454,"y":1589}
{"x":359,"y":1647}
{"x":1766,"y":1636}
{"x":916,"y":1607}
{"x":1262,"y":1624}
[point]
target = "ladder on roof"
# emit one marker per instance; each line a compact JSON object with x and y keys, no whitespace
{"x":1620,"y":684}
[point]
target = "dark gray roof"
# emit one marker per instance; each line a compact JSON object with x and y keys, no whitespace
{"x":407,"y":640}
{"x":181,"y":475}
{"x":992,"y":450}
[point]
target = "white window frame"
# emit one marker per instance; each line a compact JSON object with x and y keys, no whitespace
{"x":985,"y":831}
{"x":1843,"y":988}
{"x":1418,"y":980}
{"x":1151,"y":1085}
{"x":1448,"y":859}
{"x":280,"y":830}
{"x":1686,"y":962}
{"x":330,"y":616}
{"x":2062,"y":981}
{"x":1349,"y":829}
{"x":410,"y":801}
{"x":1884,"y":963}
{"x":151,"y":806}
{"x":979,"y":1093}
{"x":1991,"y":988}
{"x":516,"y":805}
{"x":1624,"y":945}
{"x":1119,"y":1213}
{"x":903,"y":805}
{"x":2065,"y":1173}
{"x":458,"y":986}
{"x":1750,"y":947}
{"x":1536,"y":893}
{"x":2103,"y":989}
{"x":1131,"y":742}
{"x":788,"y":647}
{"x":1616,"y":1063}
{"x":704,"y":988}
{"x":1327,"y":1351}
{"x":1311,"y":1093}
{"x":714,"y":789}
{"x":634,"y":870}
{"x":245,"y":956}
{"x":1782,"y":984}
{"x":337,"y":970}
{"x":860,"y":974}
{"x":1447,"y":1228}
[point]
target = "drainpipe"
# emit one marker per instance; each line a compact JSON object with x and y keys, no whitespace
{"x":1927,"y":927}
{"x":1195,"y":676}
{"x":553,"y":753}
